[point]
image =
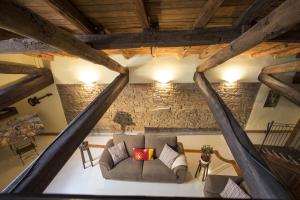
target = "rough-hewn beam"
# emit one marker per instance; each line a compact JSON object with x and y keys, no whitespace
{"x":73,"y":14}
{"x":293,"y":66}
{"x":277,"y":22}
{"x":141,"y":13}
{"x":261,"y":182}
{"x":15,"y":68}
{"x":22,"y":21}
{"x":30,"y":84}
{"x":252,"y":12}
{"x":208,"y":36}
{"x":40,"y":173}
{"x":207,"y":12}
{"x":282,"y":88}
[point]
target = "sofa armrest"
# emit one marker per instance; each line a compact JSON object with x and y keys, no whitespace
{"x":180,"y":172}
{"x":180,"y":148}
{"x":106,"y":159}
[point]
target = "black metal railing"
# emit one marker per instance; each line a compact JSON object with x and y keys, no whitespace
{"x":278,"y":134}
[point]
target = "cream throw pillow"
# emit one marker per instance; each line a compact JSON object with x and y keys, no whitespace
{"x":118,"y":152}
{"x":168,"y":156}
{"x":233,"y":191}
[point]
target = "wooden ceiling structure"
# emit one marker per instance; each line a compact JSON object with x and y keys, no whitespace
{"x":250,"y":23}
{"x":137,"y":16}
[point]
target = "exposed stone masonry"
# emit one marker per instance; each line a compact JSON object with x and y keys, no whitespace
{"x":157,"y":105}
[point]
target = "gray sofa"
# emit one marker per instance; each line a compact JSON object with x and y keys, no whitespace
{"x":215,"y":184}
{"x":152,"y":170}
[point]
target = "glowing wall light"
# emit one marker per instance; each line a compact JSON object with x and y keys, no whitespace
{"x":88,"y":76}
{"x":232,"y":75}
{"x":163,"y":75}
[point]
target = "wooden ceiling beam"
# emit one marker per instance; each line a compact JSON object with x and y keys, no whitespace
{"x":251,"y":13}
{"x":293,"y":66}
{"x":266,"y":77}
{"x":40,"y":173}
{"x":208,"y":36}
{"x":22,"y":21}
{"x":16,"y":68}
{"x":282,"y":88}
{"x":261,"y":182}
{"x":207,"y":12}
{"x":141,"y":13}
{"x":68,"y":10}
{"x":36,"y":80}
{"x":279,"y":21}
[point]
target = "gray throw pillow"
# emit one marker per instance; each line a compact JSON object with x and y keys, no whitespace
{"x":118,"y":152}
{"x":232,"y":190}
{"x":168,"y":156}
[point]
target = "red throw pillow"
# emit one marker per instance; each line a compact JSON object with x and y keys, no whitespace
{"x":143,"y":154}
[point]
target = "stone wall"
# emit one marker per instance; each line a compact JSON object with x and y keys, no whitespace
{"x":159,"y":105}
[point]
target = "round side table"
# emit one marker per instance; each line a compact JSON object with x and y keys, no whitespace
{"x":203,"y":165}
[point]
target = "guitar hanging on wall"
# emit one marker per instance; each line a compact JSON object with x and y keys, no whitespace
{"x":36,"y":100}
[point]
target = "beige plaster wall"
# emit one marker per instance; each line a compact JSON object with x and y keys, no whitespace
{"x":50,"y":110}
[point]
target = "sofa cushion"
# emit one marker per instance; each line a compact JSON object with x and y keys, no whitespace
{"x":215,"y":184}
{"x":232,"y":190}
{"x":158,"y":142}
{"x":168,"y":156}
{"x":131,"y":141}
{"x":118,"y":152}
{"x":155,"y":170}
{"x":127,"y":169}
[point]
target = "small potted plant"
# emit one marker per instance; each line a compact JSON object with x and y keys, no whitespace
{"x":206,"y":152}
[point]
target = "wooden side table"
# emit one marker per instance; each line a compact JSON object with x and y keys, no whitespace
{"x":205,"y":167}
{"x":85,"y":147}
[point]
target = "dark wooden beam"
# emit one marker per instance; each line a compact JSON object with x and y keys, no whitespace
{"x":141,"y":13}
{"x":282,"y":88}
{"x":280,"y":20}
{"x":208,"y":36}
{"x":68,"y":10}
{"x":296,"y":78}
{"x":22,"y":21}
{"x":262,"y":184}
{"x":40,"y":173}
{"x":252,"y":12}
{"x":207,"y":12}
{"x":30,"y":84}
{"x":15,"y":68}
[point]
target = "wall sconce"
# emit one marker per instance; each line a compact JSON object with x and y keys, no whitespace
{"x":232,"y":75}
{"x":36,"y":100}
{"x":88,"y":77}
{"x":163,"y":76}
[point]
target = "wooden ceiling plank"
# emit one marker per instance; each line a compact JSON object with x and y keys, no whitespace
{"x":279,"y":21}
{"x":288,"y":52}
{"x":141,"y":13}
{"x":207,"y":12}
{"x":74,"y":15}
{"x":21,"y":21}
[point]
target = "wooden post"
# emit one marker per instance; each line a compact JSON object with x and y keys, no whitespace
{"x":21,"y":21}
{"x":277,"y":22}
{"x":206,"y":13}
{"x":262,"y":184}
{"x":40,"y":173}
